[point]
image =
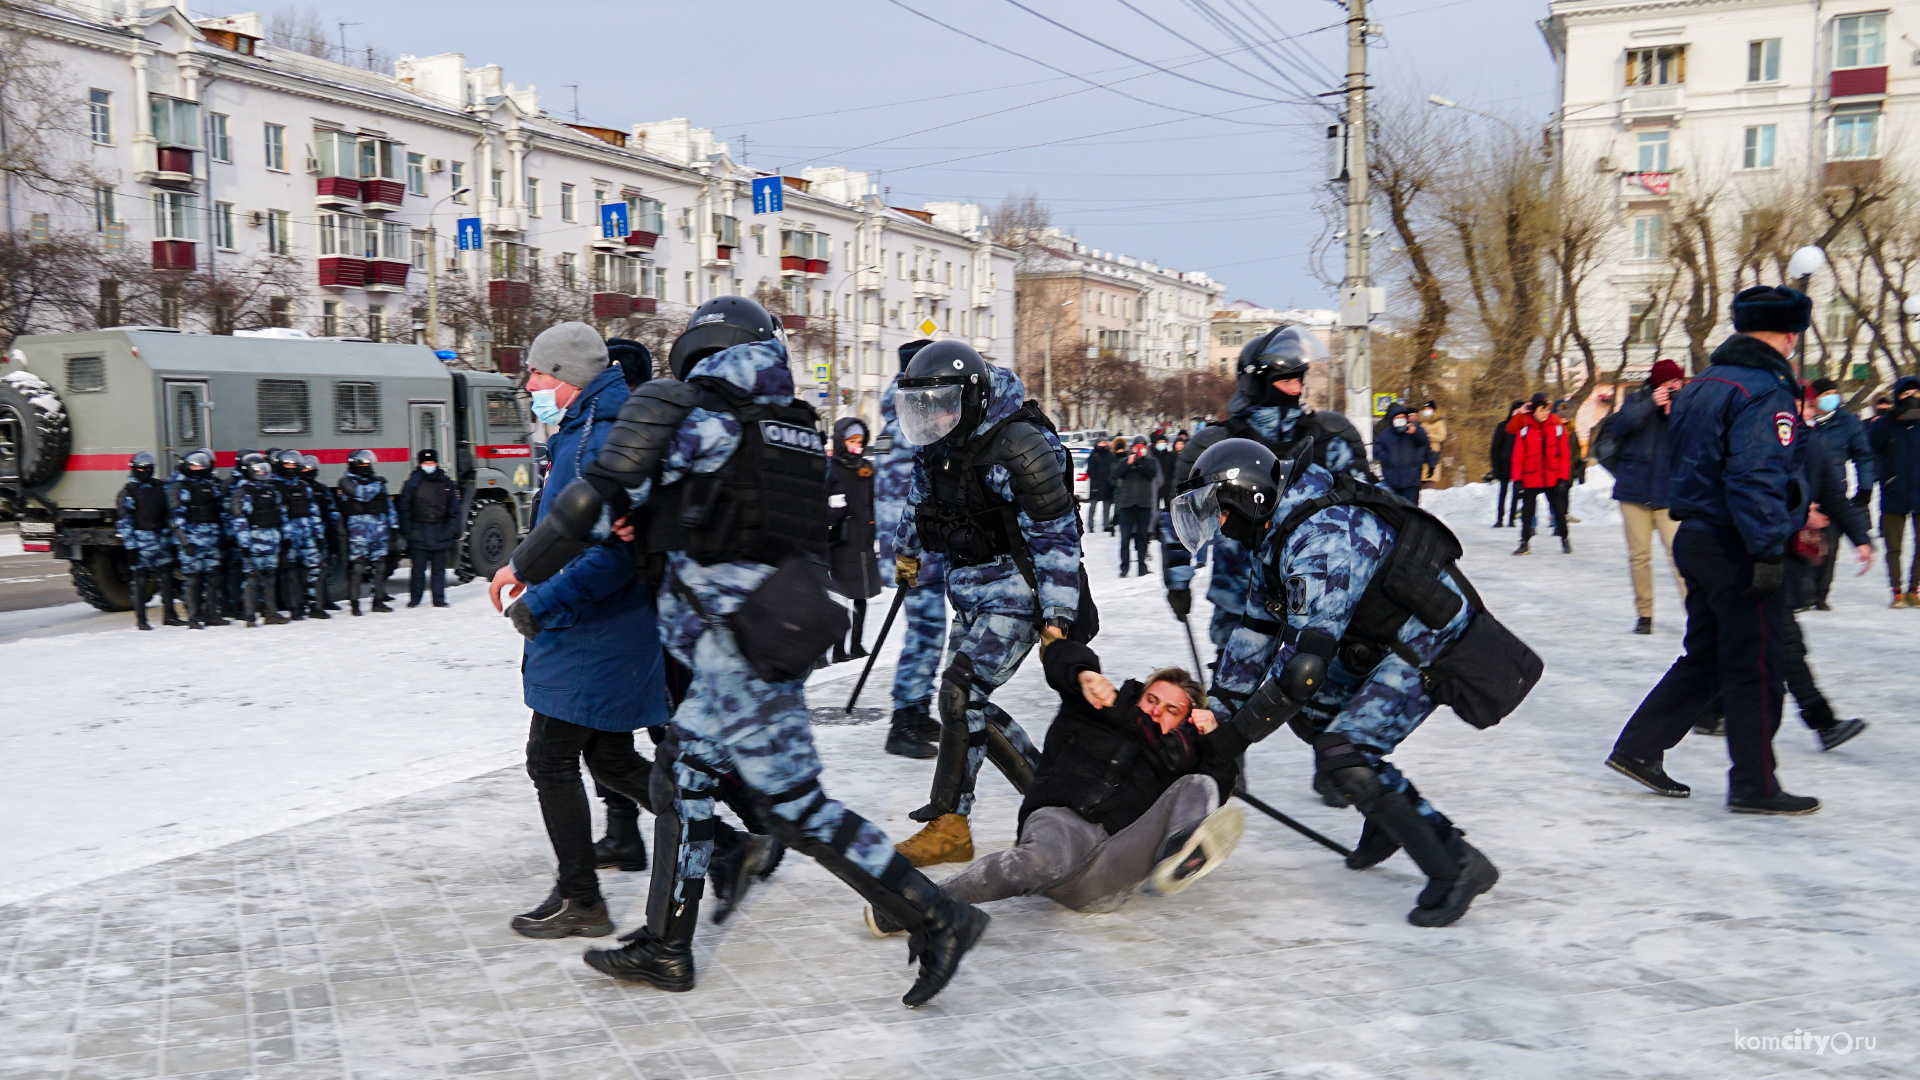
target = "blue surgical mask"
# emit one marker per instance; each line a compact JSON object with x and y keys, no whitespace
{"x":1829,"y":402}
{"x":428,"y":466}
{"x":545,"y":409}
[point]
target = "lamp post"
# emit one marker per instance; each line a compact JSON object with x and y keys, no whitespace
{"x":1046,"y":378}
{"x":833,"y":346}
{"x":433,"y":269}
{"x":1803,"y":264}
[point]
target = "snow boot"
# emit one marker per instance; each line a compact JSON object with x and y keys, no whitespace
{"x":1374,"y":847}
{"x":270,"y":616}
{"x":1900,"y":600}
{"x":167,"y":593}
{"x":941,"y":930}
{"x":858,"y":652}
{"x":1192,"y":854}
{"x":1444,"y":900}
{"x":381,"y":600}
{"x":1831,"y":737}
{"x":317,"y":611}
{"x":247,"y":602}
{"x":293,"y":590}
{"x":839,"y":653}
{"x":1566,"y":545}
{"x":737,"y":859}
{"x":663,"y":957}
{"x":1526,"y":546}
{"x":907,"y":738}
{"x":558,"y":917}
{"x":622,"y":846}
{"x":945,"y":839}
{"x":1649,"y":773}
{"x":140,"y":595}
{"x":1779,"y":803}
{"x":1643,"y":625}
{"x":354,"y":571}
{"x":1329,"y":794}
{"x":193,"y":601}
{"x":1123,"y":569}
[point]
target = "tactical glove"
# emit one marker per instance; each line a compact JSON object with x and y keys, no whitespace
{"x":906,"y":571}
{"x":1181,"y":601}
{"x":1766,"y":578}
{"x":523,"y":620}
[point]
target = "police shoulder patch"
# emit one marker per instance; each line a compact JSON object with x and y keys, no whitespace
{"x":1783,"y":425}
{"x":1297,"y":595}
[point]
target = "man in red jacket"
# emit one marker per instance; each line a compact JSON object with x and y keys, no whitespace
{"x":1541,"y":464}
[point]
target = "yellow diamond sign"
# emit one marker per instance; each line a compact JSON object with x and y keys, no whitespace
{"x":928,"y":326}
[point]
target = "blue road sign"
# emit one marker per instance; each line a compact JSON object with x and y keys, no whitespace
{"x":767,"y":195}
{"x":469,"y":234}
{"x":613,"y":221}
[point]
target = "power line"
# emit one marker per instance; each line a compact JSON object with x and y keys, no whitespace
{"x":1295,"y":87}
{"x":1149,"y":63}
{"x":1292,"y":53}
{"x":1071,"y":139}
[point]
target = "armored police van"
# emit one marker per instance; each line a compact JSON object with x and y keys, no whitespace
{"x":75,"y":407}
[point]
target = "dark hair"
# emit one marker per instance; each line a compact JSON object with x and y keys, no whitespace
{"x":1196,"y":697}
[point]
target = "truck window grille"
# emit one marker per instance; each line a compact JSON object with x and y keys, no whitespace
{"x":86,"y":374}
{"x":356,"y":408}
{"x":504,"y":412}
{"x":282,"y":404}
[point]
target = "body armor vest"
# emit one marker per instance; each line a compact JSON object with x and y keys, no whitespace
{"x":1309,"y":426}
{"x":298,"y":499}
{"x":149,"y":506}
{"x":962,"y":517}
{"x":353,"y":507}
{"x":768,"y":502}
{"x":263,"y":510}
{"x":201,"y":501}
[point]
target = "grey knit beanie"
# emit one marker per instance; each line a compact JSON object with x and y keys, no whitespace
{"x":572,"y":352}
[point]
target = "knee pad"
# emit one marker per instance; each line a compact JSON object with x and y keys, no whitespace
{"x":956,"y":690}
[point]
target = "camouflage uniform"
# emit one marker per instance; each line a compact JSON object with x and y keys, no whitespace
{"x":925,"y":608}
{"x":147,"y":549}
{"x":301,"y":536}
{"x":367,"y":533}
{"x":258,"y":545}
{"x":199,"y":541}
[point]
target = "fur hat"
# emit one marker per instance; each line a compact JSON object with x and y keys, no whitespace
{"x":1772,"y":308}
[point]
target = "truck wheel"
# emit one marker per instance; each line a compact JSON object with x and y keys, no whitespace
{"x":101,"y":578}
{"x":491,"y":537}
{"x":35,"y":437}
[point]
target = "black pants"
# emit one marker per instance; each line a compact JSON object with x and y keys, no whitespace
{"x":1893,"y":529}
{"x":1556,"y":506}
{"x":427,"y":564}
{"x":1135,"y":526}
{"x":1411,"y":494}
{"x":554,"y":750}
{"x":1104,"y":504}
{"x":1823,"y":574}
{"x":1735,"y":648}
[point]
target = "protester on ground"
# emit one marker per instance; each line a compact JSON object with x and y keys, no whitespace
{"x":429,"y":511}
{"x":1895,"y":438}
{"x":1640,"y":482}
{"x":850,"y":530}
{"x":1541,"y":466}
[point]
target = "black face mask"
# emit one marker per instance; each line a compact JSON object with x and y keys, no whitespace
{"x":1241,"y":530}
{"x":1907,"y":411}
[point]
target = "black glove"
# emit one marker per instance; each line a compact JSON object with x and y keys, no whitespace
{"x":1766,"y":578}
{"x":523,"y":621}
{"x":1181,"y":601}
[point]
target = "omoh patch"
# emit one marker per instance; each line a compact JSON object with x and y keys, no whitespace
{"x":1783,"y":427}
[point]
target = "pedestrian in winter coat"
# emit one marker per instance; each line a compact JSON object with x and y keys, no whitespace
{"x":430,"y":519}
{"x":1136,"y":487}
{"x":593,"y":671}
{"x":1542,"y":465}
{"x":1165,"y":454}
{"x":1843,"y":438}
{"x":1100,"y":462}
{"x":1640,"y":482}
{"x":1127,"y":793}
{"x":1435,"y":426}
{"x":850,"y":530}
{"x":1403,"y":453}
{"x":1895,"y":438}
{"x":1500,"y":465}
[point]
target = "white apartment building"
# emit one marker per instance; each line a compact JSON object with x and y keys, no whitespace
{"x":1150,"y":314}
{"x":1742,"y":103}
{"x":218,"y":150}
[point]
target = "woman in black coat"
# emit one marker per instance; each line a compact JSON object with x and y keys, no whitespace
{"x":850,"y":528}
{"x":430,"y":519}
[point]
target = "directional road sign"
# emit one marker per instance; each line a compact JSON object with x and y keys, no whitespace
{"x":767,"y":195}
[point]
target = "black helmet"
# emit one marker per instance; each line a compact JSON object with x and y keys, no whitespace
{"x":309,"y":464}
{"x":1238,"y":477}
{"x":908,"y":350}
{"x":360,"y":462}
{"x":720,"y":323}
{"x":256,"y":465}
{"x":946,"y":388}
{"x":142,"y":465}
{"x":286,"y":462}
{"x":1281,"y":353}
{"x":197,"y":461}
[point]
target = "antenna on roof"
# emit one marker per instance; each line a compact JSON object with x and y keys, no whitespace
{"x":575,"y":87}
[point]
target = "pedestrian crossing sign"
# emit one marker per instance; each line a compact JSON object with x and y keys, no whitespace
{"x":1381,"y":403}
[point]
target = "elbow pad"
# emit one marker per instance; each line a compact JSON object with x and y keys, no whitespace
{"x":644,"y":430}
{"x":1265,"y":712}
{"x":1033,"y":472}
{"x":562,"y":534}
{"x":1307,"y":668}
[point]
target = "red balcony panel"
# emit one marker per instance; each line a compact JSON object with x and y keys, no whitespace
{"x":816,"y":266}
{"x":509,"y":294}
{"x":173,"y":159}
{"x":793,"y":262}
{"x":338,"y":187}
{"x":1844,"y":174}
{"x":794,"y":322}
{"x":507,"y":358}
{"x":343,"y":273}
{"x":645,"y":305}
{"x":386,"y":192}
{"x":1853,"y":82}
{"x":390,"y":272}
{"x":612,"y":305}
{"x":173,"y":255}
{"x":722,"y":253}
{"x":642,"y":239}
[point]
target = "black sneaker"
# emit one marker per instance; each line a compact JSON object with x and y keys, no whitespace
{"x":1779,"y":803}
{"x":1566,"y":545}
{"x":1840,"y":732}
{"x":1650,"y":774}
{"x":1644,"y":625}
{"x":1525,"y":548}
{"x":557,"y":917}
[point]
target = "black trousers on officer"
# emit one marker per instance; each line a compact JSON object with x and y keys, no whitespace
{"x":429,"y":565}
{"x":1735,"y":648}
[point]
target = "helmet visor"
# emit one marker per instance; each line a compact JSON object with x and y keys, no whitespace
{"x":928,"y":413}
{"x":1196,"y":515}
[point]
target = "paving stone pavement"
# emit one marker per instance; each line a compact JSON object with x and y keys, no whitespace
{"x":374,"y":945}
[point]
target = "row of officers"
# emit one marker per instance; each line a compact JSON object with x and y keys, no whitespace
{"x":261,"y":540}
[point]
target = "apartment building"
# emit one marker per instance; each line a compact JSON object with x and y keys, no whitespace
{"x":397,"y":202}
{"x":1731,"y":113}
{"x":1239,"y":322}
{"x":1073,"y":295}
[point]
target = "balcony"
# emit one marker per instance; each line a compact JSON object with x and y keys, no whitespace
{"x":509,"y":294}
{"x":387,"y":275}
{"x":1649,"y":102}
{"x":1858,"y":82}
{"x":816,"y":268}
{"x":793,"y":322}
{"x":928,"y":289}
{"x":173,"y":255}
{"x":507,"y":358}
{"x":337,"y":191}
{"x":612,"y":305}
{"x":722,"y":255}
{"x":643,"y":239}
{"x":792,"y":266}
{"x":382,"y":196}
{"x":343,"y":273}
{"x":645,"y":305}
{"x":173,"y":167}
{"x":1844,"y":174}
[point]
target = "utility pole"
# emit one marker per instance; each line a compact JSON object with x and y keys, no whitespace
{"x":1355,"y":306}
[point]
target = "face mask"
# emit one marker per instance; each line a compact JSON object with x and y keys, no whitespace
{"x":1400,"y":423}
{"x":428,"y":466}
{"x":1829,"y":402}
{"x":1160,"y":446}
{"x":545,"y":409}
{"x":1426,"y":412}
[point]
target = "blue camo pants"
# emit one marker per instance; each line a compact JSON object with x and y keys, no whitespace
{"x":1376,"y":712}
{"x":925,"y":610}
{"x":367,"y":538}
{"x":150,"y":549}
{"x":1220,"y":629}
{"x":996,"y":644}
{"x":259,"y":550}
{"x":200,"y":554}
{"x":302,"y":537}
{"x":731,"y":721}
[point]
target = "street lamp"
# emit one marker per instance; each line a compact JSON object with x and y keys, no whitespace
{"x":1449,"y":103}
{"x":1047,"y":367}
{"x":433,"y":269}
{"x":1804,"y":263}
{"x":833,"y":346}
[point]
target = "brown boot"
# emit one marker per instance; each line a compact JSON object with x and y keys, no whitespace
{"x":945,"y":839}
{"x":1913,"y":598}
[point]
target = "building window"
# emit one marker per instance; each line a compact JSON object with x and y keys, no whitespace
{"x":219,"y":139}
{"x":282,"y":406}
{"x":275,"y":140}
{"x":416,"y":174}
{"x":1662,"y":66}
{"x":759,"y":239}
{"x":175,"y":216}
{"x":223,"y":225}
{"x":100,"y":116}
{"x":647,"y":215}
{"x":1650,"y":236}
{"x":457,"y":173}
{"x":376,"y":322}
{"x":1856,"y":136}
{"x":533,"y":197}
{"x":1758,"y":152}
{"x":496,"y":186}
{"x":1763,"y":60}
{"x":726,"y":230}
{"x":422,"y":250}
{"x":568,"y":211}
{"x":279,"y":311}
{"x":569,"y":266}
{"x":1860,"y":40}
{"x":616,"y":273}
{"x":105,"y":209}
{"x":329,"y":318}
{"x":279,"y":232}
{"x":686,"y":226}
{"x":1653,"y":151}
{"x":175,"y":122}
{"x":510,"y":261}
{"x":356,"y":408}
{"x":686,"y":282}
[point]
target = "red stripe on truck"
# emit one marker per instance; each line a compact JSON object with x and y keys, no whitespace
{"x":507,"y":451}
{"x":225,"y":458}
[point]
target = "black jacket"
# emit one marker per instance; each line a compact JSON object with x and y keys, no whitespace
{"x":1500,"y":454}
{"x":850,"y":528}
{"x":1111,"y":765}
{"x":1136,"y":483}
{"x":1100,"y":462}
{"x":429,"y":510}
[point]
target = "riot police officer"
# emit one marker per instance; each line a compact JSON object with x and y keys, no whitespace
{"x":1352,"y":670}
{"x":331,"y":524}
{"x":257,"y":514}
{"x":194,"y":497}
{"x":924,"y":637}
{"x":732,"y":471}
{"x":147,"y":537}
{"x":991,"y":494}
{"x":300,"y":539}
{"x":371,"y":521}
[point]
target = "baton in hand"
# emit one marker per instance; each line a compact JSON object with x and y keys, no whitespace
{"x":1283,"y":819}
{"x":1198,"y":667}
{"x":900,"y":597}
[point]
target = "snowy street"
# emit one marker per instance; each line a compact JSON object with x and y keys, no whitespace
{"x":291,"y":853}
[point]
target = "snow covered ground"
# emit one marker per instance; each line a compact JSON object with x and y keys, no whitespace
{"x":291,"y":852}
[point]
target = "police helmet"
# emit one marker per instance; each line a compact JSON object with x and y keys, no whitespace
{"x":256,"y":466}
{"x":142,"y":465}
{"x":197,"y":461}
{"x":1281,"y":353}
{"x":360,"y":462}
{"x":1238,"y":478}
{"x":908,"y":351}
{"x":309,"y":464}
{"x":720,"y":323}
{"x":286,"y":462}
{"x":946,"y":388}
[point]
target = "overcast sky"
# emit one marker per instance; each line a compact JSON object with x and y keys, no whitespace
{"x":869,"y":84}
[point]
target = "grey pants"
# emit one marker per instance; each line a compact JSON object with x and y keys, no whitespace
{"x":1073,"y":862}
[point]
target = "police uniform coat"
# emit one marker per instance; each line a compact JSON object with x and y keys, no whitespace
{"x":429,"y":509}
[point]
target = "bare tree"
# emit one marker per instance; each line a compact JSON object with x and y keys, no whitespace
{"x":43,"y":122}
{"x":1501,"y":216}
{"x":1412,"y":156}
{"x":305,"y":30}
{"x":46,"y":286}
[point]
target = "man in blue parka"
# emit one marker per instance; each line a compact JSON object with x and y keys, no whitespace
{"x":1740,"y":489}
{"x":1843,"y":436}
{"x":1403,"y":452}
{"x":924,"y":637}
